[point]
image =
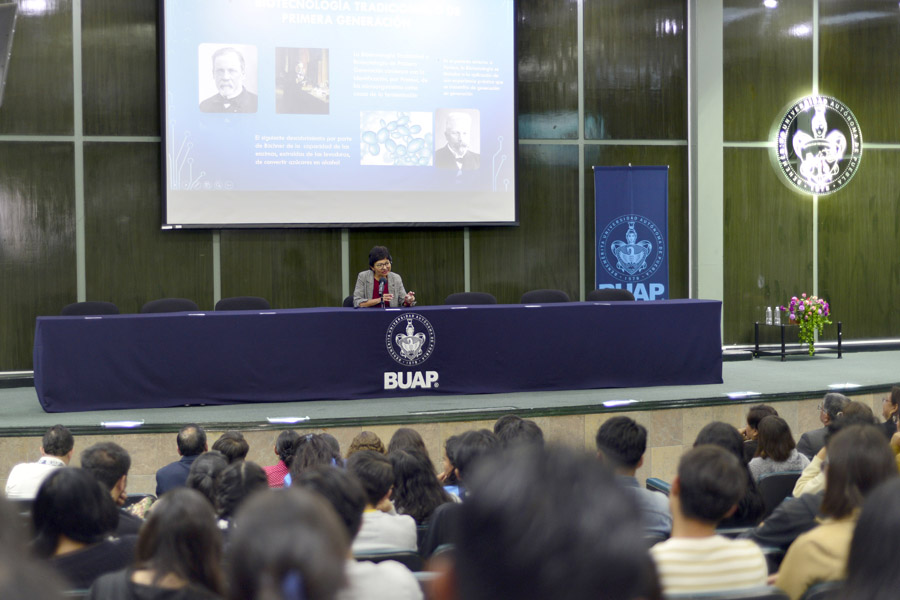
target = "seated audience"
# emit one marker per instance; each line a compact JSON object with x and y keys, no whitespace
{"x":56,"y":451}
{"x":366,"y":440}
{"x":751,"y":431}
{"x":447,"y":476}
{"x":858,"y":460}
{"x":313,"y":450}
{"x":109,"y":464}
{"x":191,"y":443}
{"x":621,"y":443}
{"x":233,"y":445}
{"x":284,"y":449}
{"x":876,"y":537}
{"x":710,"y":483}
{"x":21,"y":574}
{"x":406,"y":438}
{"x":812,"y":441}
{"x":237,"y":482}
{"x":417,"y":491}
{"x":335,"y":446}
{"x":204,"y":474}
{"x":890,"y":410}
{"x":519,"y":431}
{"x":751,"y":507}
{"x":73,"y":516}
{"x":382,"y":528}
{"x":776,"y":451}
{"x":178,"y":555}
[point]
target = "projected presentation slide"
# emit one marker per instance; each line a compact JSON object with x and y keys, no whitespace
{"x":338,"y":112}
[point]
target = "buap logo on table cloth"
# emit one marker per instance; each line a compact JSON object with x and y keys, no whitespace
{"x":410,"y":341}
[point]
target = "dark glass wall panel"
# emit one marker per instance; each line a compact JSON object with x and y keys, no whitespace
{"x":129,"y":260}
{"x":430,"y":261}
{"x":290,"y":268}
{"x":676,"y":158}
{"x":768,"y":242}
{"x":859,"y":63}
{"x":543,"y":251}
{"x":119,"y":66}
{"x":548,"y":69}
{"x":635,"y":69}
{"x":859,"y":271}
{"x":767,"y":63}
{"x":37,"y":242}
{"x":39,"y":90}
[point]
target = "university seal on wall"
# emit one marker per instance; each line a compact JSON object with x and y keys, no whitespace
{"x":631,"y":248}
{"x":410,"y":339}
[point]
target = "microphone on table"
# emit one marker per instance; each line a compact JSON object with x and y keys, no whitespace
{"x":382,"y":284}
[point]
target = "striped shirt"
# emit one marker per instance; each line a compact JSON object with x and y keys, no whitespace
{"x":709,"y":564}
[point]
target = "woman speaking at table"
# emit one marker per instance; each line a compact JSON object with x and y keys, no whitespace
{"x":379,"y":286}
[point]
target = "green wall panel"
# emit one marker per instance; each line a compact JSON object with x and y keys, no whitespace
{"x":37,"y":242}
{"x":129,"y":259}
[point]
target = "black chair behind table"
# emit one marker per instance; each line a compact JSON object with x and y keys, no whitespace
{"x":544,"y":297}
{"x":92,"y":307}
{"x":243,"y":303}
{"x":167,"y":305}
{"x":411,"y":560}
{"x":609,"y":295}
{"x":823,"y":591}
{"x":775,"y":487}
{"x":466,"y":298}
{"x":755,"y":593}
{"x":348,"y":302}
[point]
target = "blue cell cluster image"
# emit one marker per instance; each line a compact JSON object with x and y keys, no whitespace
{"x":396,"y":138}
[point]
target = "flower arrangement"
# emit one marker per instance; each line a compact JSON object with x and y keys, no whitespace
{"x":811,"y":314}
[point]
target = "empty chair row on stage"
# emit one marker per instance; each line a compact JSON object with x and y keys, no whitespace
{"x":165,"y":305}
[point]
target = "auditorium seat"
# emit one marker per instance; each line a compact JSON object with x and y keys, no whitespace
{"x":544,"y":297}
{"x":243,"y":303}
{"x":466,"y":298}
{"x":348,"y":302}
{"x":411,"y":560}
{"x":775,"y":487}
{"x":755,"y":593}
{"x":89,"y":308}
{"x":823,"y":591}
{"x":166,"y":305}
{"x":658,"y":485}
{"x":609,"y":295}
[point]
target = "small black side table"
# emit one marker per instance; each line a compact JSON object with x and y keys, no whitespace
{"x":803,"y":349}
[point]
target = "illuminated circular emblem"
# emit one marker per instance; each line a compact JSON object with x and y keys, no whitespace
{"x":631,"y":248}
{"x":410,"y":339}
{"x":818,"y":145}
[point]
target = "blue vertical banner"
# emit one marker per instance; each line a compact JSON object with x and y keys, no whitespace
{"x":631,"y":239}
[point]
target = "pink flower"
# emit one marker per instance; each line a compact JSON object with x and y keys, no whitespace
{"x":793,"y":318}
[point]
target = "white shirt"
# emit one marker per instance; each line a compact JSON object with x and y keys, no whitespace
{"x":26,"y":478}
{"x":388,"y":580}
{"x":708,"y":564}
{"x":384,"y":531}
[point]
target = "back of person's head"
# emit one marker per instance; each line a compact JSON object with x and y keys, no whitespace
{"x":180,"y":537}
{"x":366,"y":440}
{"x":711,"y":482}
{"x":549,"y":523}
{"x":622,"y":442}
{"x":775,"y":439}
{"x":57,"y":441}
{"x":21,"y":574}
{"x":286,"y":445}
{"x":862,"y":412}
{"x":233,"y":445}
{"x":472,"y":446}
{"x":191,"y":440}
{"x":523,"y":431}
{"x":723,"y":435}
{"x":203,"y":474}
{"x":505,"y":421}
{"x":107,"y":462}
{"x":341,"y":490}
{"x":417,"y":491}
{"x":71,"y":503}
{"x":894,"y":398}
{"x":374,"y":472}
{"x":334,"y":444}
{"x":853,"y":416}
{"x":834,"y":403}
{"x":237,"y":482}
{"x":378,"y":253}
{"x":757,"y":413}
{"x":406,"y":438}
{"x":287,"y":544}
{"x":859,"y":458}
{"x":876,"y":538}
{"x":313,"y":450}
{"x":450,"y":446}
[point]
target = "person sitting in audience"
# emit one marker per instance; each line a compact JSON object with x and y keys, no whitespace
{"x":388,"y":579}
{"x":73,"y":516}
{"x":710,"y":483}
{"x":858,"y":461}
{"x":417,"y":491}
{"x":191,"y":443}
{"x":335,"y":446}
{"x":178,"y":555}
{"x":21,"y":574}
{"x":313,"y":450}
{"x":776,"y":451}
{"x":447,"y":476}
{"x":366,"y":440}
{"x":233,"y":445}
{"x":751,"y":506}
{"x":406,"y":438}
{"x":545,"y":523}
{"x":56,"y":451}
{"x":876,"y":537}
{"x":287,"y":545}
{"x":890,"y":410}
{"x":284,"y":449}
{"x":109,"y":464}
{"x":382,"y":528}
{"x":751,"y":431}
{"x":519,"y":431}
{"x":812,"y":441}
{"x":204,"y":473}
{"x":621,"y":443}
{"x":237,"y":482}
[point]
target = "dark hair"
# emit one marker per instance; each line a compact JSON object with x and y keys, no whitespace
{"x":379,"y":253}
{"x":72,"y":503}
{"x":505,"y":421}
{"x":775,"y":439}
{"x":236,"y":483}
{"x":203,"y":474}
{"x":757,"y":413}
{"x":711,"y":482}
{"x":334,"y":444}
{"x":862,"y":412}
{"x":191,"y":440}
{"x":417,"y":491}
{"x":450,"y":446}
{"x":875,"y":539}
{"x":562,"y":524}
{"x":341,"y":490}
{"x":365,"y":440}
{"x":406,"y":438}
{"x":287,"y":544}
{"x":181,"y":537}
{"x":722,"y":435}
{"x":313,"y":450}
{"x":285,"y":445}
{"x":895,"y":395}
{"x":833,"y":403}
{"x":471,"y":447}
{"x":523,"y":431}
{"x":107,"y":462}
{"x":859,"y":458}
{"x":233,"y":445}
{"x":374,"y":472}
{"x":57,"y":441}
{"x":622,"y":441}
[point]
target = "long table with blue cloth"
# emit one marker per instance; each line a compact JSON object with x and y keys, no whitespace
{"x":213,"y":358}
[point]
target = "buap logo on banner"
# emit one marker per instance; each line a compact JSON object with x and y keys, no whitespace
{"x":410,"y":341}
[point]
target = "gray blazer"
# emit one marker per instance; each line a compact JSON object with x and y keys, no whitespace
{"x":365,"y":281}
